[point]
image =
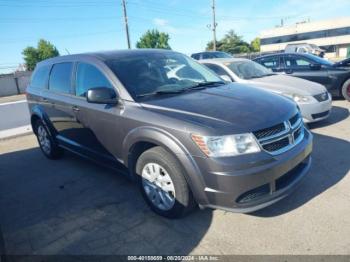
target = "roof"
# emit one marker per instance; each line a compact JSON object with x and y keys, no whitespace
{"x":107,"y":55}
{"x":223,"y":60}
{"x":208,"y":52}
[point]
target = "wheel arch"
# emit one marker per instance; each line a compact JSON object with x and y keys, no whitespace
{"x":141,"y":139}
{"x":37,"y":113}
{"x":342,"y":86}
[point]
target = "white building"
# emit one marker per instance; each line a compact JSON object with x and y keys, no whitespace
{"x":331,"y":35}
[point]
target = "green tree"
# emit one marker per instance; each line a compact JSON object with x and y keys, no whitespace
{"x":255,"y":45}
{"x":44,"y":50}
{"x":230,"y":43}
{"x":154,"y":39}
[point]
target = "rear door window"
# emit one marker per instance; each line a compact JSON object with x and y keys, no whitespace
{"x":60,"y":78}
{"x":40,"y":77}
{"x":270,"y":62}
{"x":88,"y":76}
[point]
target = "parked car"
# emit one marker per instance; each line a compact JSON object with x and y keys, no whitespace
{"x":210,"y":55}
{"x":343,"y":63}
{"x":310,"y":67}
{"x":304,"y":48}
{"x":187,"y":141}
{"x":314,"y":101}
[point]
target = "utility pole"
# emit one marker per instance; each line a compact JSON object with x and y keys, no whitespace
{"x":126,"y":24}
{"x":214,"y":26}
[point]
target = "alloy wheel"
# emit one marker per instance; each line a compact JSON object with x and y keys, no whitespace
{"x":44,"y":140}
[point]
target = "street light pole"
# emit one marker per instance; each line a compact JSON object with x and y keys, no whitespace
{"x":214,"y":26}
{"x":126,"y":24}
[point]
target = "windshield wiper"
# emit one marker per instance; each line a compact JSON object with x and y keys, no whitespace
{"x":199,"y":86}
{"x":202,"y":85}
{"x":162,"y":92}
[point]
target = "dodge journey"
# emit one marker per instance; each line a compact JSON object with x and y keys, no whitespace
{"x":182,"y":134}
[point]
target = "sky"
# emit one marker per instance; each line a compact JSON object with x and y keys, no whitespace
{"x":76,"y":26}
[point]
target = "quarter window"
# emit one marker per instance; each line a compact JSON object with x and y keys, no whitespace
{"x":88,"y":76}
{"x":40,"y":77}
{"x":60,"y":78}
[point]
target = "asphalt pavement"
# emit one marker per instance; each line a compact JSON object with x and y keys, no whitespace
{"x":73,"y":206}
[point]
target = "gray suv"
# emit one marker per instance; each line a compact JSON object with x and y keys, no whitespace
{"x":172,"y":126}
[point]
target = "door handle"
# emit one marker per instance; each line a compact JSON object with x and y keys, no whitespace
{"x":75,"y":108}
{"x":44,"y":99}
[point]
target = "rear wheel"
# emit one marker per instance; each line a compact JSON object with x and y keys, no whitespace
{"x":346,"y":90}
{"x":162,"y":183}
{"x":46,"y":142}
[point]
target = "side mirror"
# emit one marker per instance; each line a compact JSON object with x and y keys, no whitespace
{"x":102,"y":95}
{"x":315,"y":66}
{"x":226,"y":78}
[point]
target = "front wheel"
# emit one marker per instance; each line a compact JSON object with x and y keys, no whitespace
{"x":346,"y":90}
{"x":162,"y":183}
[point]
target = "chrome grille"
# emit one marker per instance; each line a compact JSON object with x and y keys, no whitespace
{"x":266,"y":132}
{"x":281,"y":137}
{"x":321,"y":97}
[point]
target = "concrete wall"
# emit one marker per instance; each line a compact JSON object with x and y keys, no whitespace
{"x":14,"y":84}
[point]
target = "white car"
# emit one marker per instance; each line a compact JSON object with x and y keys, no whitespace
{"x":314,"y":101}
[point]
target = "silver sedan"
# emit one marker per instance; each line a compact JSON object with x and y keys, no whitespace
{"x":314,"y":101}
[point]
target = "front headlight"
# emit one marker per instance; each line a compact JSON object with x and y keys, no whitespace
{"x":231,"y":145}
{"x":298,"y":98}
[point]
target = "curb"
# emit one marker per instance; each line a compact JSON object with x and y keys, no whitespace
{"x":15,"y":132}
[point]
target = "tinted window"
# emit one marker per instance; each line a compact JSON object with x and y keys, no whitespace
{"x":88,"y":77}
{"x":207,"y":56}
{"x":270,"y":62}
{"x":195,"y":56}
{"x":296,"y":62}
{"x":40,"y":77}
{"x":60,"y":78}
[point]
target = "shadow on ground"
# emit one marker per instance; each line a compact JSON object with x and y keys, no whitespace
{"x":72,"y":206}
{"x":331,"y":163}
{"x":338,"y":114}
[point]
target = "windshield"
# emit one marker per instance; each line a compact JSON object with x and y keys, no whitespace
{"x":153,"y":73}
{"x":319,"y":60}
{"x":248,"y":69}
{"x":220,"y":55}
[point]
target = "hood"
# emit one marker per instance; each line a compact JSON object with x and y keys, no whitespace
{"x":232,"y":108}
{"x":288,"y":84}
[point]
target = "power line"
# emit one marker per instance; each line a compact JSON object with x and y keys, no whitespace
{"x":10,"y":41}
{"x":54,"y":19}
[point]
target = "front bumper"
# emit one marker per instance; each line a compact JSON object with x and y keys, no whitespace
{"x":317,"y":111}
{"x":251,"y":182}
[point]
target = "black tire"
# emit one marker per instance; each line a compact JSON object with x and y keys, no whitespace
{"x":346,"y":90}
{"x":183,"y":200}
{"x":50,"y":149}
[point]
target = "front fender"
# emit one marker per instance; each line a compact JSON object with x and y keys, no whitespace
{"x":164,"y":139}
